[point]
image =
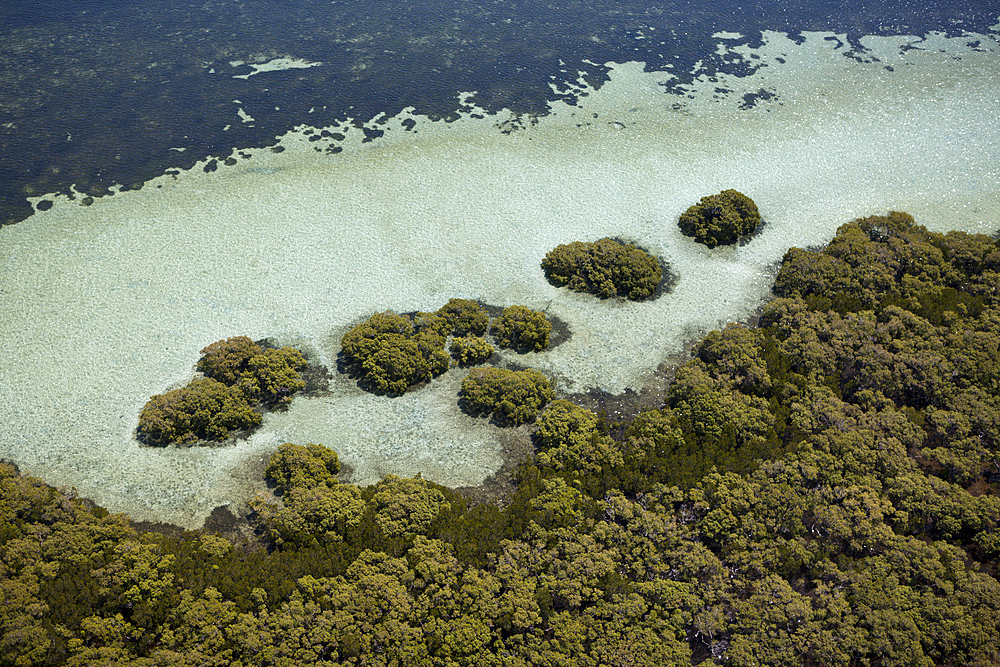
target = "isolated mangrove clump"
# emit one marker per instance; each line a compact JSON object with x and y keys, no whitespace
{"x":523,"y":329}
{"x":238,"y":374}
{"x":606,"y":268}
{"x":393,"y":354}
{"x":720,"y":219}
{"x":465,"y":316}
{"x":471,"y":350}
{"x":511,"y":396}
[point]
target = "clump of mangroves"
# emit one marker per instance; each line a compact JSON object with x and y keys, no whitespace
{"x":239,"y":379}
{"x":391,"y":352}
{"x":720,"y":219}
{"x":512,"y":397}
{"x":606,"y":268}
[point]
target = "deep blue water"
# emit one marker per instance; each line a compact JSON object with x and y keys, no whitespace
{"x":103,"y":92}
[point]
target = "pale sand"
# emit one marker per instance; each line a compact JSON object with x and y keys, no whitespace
{"x":106,"y":305}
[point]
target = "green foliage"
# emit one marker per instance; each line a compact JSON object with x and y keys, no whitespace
{"x":228,"y":360}
{"x":569,"y":440}
{"x":465,"y":317}
{"x":471,"y":350}
{"x":521,"y":328}
{"x":315,"y":507}
{"x":720,"y":219}
{"x":205,"y":409}
{"x":392,"y":354}
{"x":889,"y":260}
{"x":512,"y":396}
{"x":297,"y":465}
{"x":238,"y":373}
{"x":657,"y":452}
{"x":273,"y":375}
{"x":406,"y":506}
{"x":908,"y":323}
{"x":606,"y":268}
{"x":851,"y":519}
{"x":310,"y":515}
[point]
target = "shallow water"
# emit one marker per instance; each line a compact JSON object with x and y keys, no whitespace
{"x":109,"y":303}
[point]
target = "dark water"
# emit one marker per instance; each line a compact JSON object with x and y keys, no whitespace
{"x":96,"y":93}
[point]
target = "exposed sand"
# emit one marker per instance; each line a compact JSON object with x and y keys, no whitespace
{"x":103,"y":306}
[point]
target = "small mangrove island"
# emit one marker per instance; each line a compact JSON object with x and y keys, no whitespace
{"x":606,"y":268}
{"x":720,"y":219}
{"x":390,"y":352}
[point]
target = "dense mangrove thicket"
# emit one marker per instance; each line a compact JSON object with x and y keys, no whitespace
{"x":606,"y":268}
{"x":819,"y":490}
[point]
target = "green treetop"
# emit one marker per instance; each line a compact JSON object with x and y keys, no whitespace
{"x":521,"y":328}
{"x":393,"y":354}
{"x":720,"y":219}
{"x":239,"y":374}
{"x":513,"y":396}
{"x":606,"y":268}
{"x":465,"y":316}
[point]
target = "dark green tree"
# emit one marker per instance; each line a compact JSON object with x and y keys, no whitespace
{"x":720,"y":219}
{"x":606,"y":268}
{"x":523,"y":329}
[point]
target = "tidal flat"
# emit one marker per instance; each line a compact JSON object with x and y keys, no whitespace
{"x":107,"y":304}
